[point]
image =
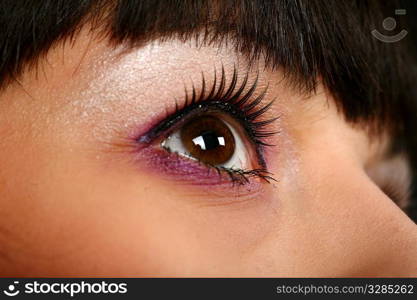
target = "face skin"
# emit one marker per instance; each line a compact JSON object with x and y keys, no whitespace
{"x":78,"y":197}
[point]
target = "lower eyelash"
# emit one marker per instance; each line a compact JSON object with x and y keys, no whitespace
{"x":240,"y":177}
{"x":232,"y":100}
{"x":236,"y":176}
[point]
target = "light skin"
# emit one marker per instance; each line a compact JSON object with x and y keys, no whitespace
{"x":78,"y":199}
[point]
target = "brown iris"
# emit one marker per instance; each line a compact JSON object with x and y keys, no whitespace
{"x":208,"y":139}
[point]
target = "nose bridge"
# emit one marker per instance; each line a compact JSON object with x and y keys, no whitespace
{"x":395,"y":236}
{"x":367,"y":228}
{"x":405,"y":241}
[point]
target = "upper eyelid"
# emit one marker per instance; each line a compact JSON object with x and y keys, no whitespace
{"x":217,"y":92}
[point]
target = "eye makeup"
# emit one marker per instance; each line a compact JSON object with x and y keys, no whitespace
{"x":236,"y":103}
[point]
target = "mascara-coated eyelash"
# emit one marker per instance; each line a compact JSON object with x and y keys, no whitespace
{"x":239,"y":103}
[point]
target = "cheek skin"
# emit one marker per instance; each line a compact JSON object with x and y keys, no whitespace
{"x":74,"y":211}
{"x":144,"y":227}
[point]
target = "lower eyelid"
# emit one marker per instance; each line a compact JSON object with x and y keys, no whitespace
{"x":183,"y":170}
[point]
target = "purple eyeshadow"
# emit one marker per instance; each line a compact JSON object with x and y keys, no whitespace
{"x":186,"y":170}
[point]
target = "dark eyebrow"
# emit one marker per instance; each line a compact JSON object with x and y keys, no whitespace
{"x":372,"y":82}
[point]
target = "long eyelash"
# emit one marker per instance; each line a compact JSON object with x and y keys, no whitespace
{"x":240,"y":177}
{"x":231,"y":99}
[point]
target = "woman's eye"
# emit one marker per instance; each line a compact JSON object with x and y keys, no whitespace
{"x":223,"y":128}
{"x":211,"y":140}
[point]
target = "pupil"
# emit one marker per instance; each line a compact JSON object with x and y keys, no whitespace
{"x":208,"y":139}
